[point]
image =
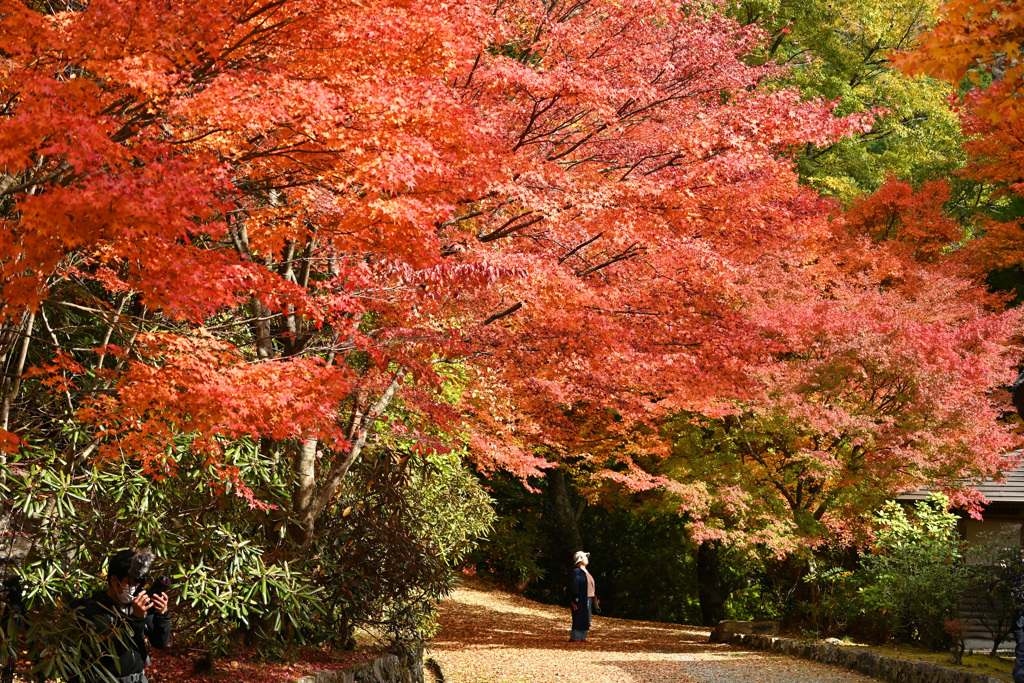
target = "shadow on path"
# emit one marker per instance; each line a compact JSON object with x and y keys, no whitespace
{"x":545,"y":627}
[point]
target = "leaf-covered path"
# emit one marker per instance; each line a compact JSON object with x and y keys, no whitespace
{"x":494,"y":637}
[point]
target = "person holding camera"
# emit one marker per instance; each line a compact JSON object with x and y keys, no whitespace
{"x":126,"y":606}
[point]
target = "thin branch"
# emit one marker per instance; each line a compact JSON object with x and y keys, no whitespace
{"x":508,"y":228}
{"x":343,"y":465}
{"x":580,"y":246}
{"x":631,"y":251}
{"x":110,"y":330}
{"x":501,"y":314}
{"x":31,"y":182}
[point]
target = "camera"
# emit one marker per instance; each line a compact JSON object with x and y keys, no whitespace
{"x":139,"y":573}
{"x":159,"y":586}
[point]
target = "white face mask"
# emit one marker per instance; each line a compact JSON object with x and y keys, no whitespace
{"x":125,"y":594}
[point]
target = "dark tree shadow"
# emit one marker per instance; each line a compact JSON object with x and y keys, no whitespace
{"x":474,"y":626}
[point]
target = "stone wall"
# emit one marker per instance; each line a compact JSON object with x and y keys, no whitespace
{"x":868,"y":663}
{"x":727,"y":628}
{"x":404,"y":668}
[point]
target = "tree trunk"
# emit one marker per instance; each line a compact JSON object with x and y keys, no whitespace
{"x":12,"y":384}
{"x":310,"y":499}
{"x":564,"y":517}
{"x":709,"y":582}
{"x":304,"y":491}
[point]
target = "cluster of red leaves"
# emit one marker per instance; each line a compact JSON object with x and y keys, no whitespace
{"x":997,"y":155}
{"x":972,"y":38}
{"x":912,"y":218}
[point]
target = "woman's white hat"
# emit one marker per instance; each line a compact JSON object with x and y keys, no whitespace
{"x":581,"y":556}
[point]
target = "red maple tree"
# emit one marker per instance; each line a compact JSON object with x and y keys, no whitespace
{"x":280,"y":218}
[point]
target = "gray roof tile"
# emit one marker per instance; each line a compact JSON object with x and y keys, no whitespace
{"x":1011,"y":490}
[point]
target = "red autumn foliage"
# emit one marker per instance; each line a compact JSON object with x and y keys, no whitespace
{"x":980,"y":40}
{"x":911,"y":218}
{"x":318,"y":206}
{"x":973,"y":37}
{"x":996,"y":155}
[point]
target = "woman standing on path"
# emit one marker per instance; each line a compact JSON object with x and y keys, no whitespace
{"x":581,"y":597}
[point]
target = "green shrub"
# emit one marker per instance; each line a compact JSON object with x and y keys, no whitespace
{"x":385,"y":556}
{"x":911,"y":582}
{"x":381,"y":557}
{"x":835,"y":603}
{"x":996,"y":568}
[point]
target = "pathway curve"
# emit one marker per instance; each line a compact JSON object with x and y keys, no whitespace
{"x":488,"y":636}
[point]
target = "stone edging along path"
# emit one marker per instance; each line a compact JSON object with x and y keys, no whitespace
{"x":868,"y":663}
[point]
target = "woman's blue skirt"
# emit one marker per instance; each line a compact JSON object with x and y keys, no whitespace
{"x":581,"y":620}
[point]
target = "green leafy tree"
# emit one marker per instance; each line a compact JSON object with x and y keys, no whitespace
{"x":840,"y":49}
{"x":400,"y":525}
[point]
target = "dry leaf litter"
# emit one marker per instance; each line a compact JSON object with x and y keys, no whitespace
{"x":488,"y":636}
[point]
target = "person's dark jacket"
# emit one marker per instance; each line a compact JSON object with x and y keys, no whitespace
{"x":578,"y":600}
{"x":107,"y":616}
{"x":577,"y":586}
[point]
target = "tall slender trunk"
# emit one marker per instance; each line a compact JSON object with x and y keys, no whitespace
{"x":304,"y":468}
{"x":14,"y":384}
{"x":9,"y":389}
{"x":564,"y":517}
{"x":110,"y":329}
{"x":709,"y":582}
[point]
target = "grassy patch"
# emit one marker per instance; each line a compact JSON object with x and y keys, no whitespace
{"x":997,"y":667}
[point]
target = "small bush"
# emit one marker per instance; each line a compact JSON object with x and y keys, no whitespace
{"x":912,"y":580}
{"x":957,"y":630}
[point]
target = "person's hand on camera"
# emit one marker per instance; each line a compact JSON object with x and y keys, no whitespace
{"x":160,"y":602}
{"x":141,"y":604}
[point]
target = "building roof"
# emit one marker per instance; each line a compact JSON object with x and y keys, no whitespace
{"x":1010,"y":490}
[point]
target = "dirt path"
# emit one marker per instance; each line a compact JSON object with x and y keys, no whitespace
{"x":496,"y":637}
